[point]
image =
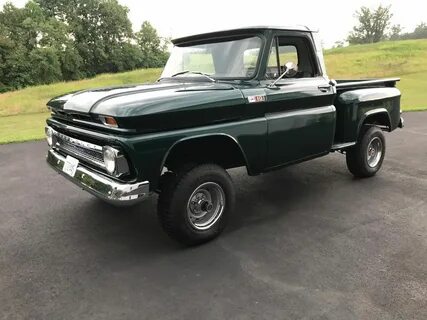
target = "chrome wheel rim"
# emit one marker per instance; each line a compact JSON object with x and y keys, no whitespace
{"x":374,"y":152}
{"x":205,"y":205}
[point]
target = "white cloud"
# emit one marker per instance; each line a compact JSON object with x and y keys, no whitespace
{"x":334,"y":18}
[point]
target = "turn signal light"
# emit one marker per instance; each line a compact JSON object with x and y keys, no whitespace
{"x":109,"y":121}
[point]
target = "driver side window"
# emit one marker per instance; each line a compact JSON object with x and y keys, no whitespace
{"x":286,"y":50}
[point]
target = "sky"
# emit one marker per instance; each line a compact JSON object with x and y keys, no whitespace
{"x":333,"y":18}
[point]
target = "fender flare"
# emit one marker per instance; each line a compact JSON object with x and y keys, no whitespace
{"x":371,"y":113}
{"x":201,"y":136}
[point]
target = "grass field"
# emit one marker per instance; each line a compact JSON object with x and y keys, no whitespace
{"x":404,"y":59}
{"x":22,"y":112}
{"x":34,"y":99}
{"x":23,"y":127}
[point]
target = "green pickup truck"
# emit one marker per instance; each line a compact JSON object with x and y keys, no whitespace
{"x":257,"y":97}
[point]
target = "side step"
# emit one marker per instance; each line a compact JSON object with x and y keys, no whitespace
{"x":341,"y":146}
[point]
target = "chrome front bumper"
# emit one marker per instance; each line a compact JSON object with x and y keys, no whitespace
{"x":99,"y":185}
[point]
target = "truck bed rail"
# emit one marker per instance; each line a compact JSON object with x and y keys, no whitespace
{"x":366,"y":83}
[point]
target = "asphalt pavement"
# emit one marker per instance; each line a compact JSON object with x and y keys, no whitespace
{"x":306,"y":242}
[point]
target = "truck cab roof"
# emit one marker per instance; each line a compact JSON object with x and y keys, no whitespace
{"x":237,"y":31}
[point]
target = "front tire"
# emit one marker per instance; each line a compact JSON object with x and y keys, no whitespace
{"x":366,"y":157}
{"x":195,"y":202}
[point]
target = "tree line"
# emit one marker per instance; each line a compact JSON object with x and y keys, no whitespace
{"x":59,"y":40}
{"x":375,"y":25}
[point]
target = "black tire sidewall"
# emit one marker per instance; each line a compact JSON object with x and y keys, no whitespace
{"x":184,"y":231}
{"x":370,"y":134}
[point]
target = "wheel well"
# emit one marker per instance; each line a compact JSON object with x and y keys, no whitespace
{"x":220,"y":149}
{"x":380,"y":119}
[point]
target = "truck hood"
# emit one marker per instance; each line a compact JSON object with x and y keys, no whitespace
{"x":168,"y":104}
{"x":144,"y":99}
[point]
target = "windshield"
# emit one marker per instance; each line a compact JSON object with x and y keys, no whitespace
{"x":222,"y":59}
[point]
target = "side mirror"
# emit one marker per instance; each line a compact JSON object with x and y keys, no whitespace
{"x":291,"y":68}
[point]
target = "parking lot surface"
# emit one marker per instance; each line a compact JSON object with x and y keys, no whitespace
{"x":306,"y":242}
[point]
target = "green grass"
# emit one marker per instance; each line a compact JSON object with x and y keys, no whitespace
{"x":23,"y":112}
{"x":404,"y":59}
{"x":22,"y":127}
{"x":413,"y":87}
{"x":34,"y":99}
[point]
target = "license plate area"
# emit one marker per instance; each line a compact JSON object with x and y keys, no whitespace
{"x":70,"y":166}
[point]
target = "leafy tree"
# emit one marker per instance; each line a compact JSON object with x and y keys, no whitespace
{"x":420,"y":32}
{"x":16,"y":68}
{"x":6,"y":49}
{"x":15,"y":42}
{"x":71,"y":64}
{"x":55,"y":40}
{"x":395,"y":32}
{"x":372,"y":26}
{"x":128,"y":57}
{"x":12,"y":20}
{"x":33,"y":43}
{"x":45,"y":31}
{"x":99,"y":29}
{"x":154,"y":49}
{"x":46,"y":67}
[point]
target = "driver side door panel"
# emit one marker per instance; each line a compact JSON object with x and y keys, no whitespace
{"x":300,"y":120}
{"x":300,"y":113}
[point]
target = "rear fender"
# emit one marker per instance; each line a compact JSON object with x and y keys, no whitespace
{"x":379,"y":117}
{"x":377,"y":106}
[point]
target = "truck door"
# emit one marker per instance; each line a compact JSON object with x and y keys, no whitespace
{"x":299,"y":111}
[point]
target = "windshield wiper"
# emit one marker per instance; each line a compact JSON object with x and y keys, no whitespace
{"x":194,"y":72}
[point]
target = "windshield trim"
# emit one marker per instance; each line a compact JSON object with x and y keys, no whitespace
{"x":259,"y":35}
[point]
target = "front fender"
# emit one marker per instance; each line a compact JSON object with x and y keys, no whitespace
{"x":202,"y":136}
{"x":149,"y":151}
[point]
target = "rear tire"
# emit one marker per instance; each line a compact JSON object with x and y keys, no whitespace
{"x":195,"y":202}
{"x":366,"y":157}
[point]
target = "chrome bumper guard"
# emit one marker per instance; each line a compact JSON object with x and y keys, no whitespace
{"x":99,"y":185}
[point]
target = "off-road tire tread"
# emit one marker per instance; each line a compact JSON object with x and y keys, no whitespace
{"x":356,"y":156}
{"x":177,"y":183}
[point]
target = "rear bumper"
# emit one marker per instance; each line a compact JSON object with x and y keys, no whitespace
{"x":99,"y":185}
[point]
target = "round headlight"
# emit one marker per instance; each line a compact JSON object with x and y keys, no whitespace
{"x":110,"y":157}
{"x":49,"y":136}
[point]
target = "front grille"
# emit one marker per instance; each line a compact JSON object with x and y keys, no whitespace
{"x":68,"y":116}
{"x":82,"y":152}
{"x":80,"y":149}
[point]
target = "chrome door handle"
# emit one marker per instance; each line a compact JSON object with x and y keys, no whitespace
{"x":325,"y":88}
